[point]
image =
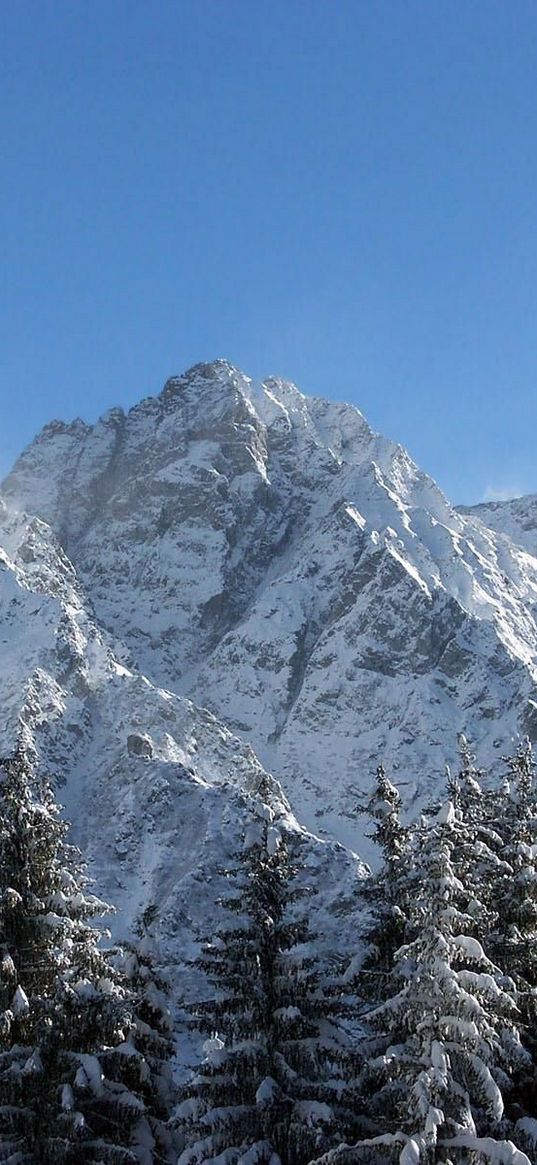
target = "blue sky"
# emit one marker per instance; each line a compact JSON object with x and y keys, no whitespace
{"x":340,"y":192}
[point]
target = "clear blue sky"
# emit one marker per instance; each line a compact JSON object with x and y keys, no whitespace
{"x":341,"y":192}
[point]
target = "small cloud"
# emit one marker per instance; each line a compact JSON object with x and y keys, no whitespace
{"x":502,"y":493}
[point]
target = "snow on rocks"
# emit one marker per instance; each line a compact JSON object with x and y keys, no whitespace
{"x":272,"y":557}
{"x":297,"y":576}
{"x":157,"y":821}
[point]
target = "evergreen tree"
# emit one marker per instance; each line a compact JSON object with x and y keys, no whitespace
{"x":513,"y":941}
{"x":66,"y":1016}
{"x":515,"y":938}
{"x":149,"y":1064}
{"x":263,"y":1091}
{"x":451,"y":1043}
{"x":479,"y":845}
{"x":388,"y":891}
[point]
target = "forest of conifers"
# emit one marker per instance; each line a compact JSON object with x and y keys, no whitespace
{"x":420,"y":1051}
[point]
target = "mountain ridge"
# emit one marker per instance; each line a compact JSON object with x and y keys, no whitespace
{"x":160,"y":794}
{"x":514,"y":517}
{"x":271,"y":557}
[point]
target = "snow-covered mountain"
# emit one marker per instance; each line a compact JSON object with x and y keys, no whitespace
{"x":159,"y":792}
{"x":270,"y":557}
{"x":516,"y":518}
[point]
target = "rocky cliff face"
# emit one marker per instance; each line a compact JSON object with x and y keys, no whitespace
{"x":159,"y":792}
{"x":270,"y":557}
{"x":516,"y":519}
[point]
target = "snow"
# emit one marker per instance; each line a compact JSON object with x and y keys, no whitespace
{"x":495,"y":1152}
{"x":20,"y":1004}
{"x":267,"y":1091}
{"x":439,"y":1059}
{"x":435,"y":1118}
{"x":472,"y":950}
{"x":232,"y":502}
{"x":515,"y":519}
{"x":33,"y":1065}
{"x":271,"y":558}
{"x":493,"y":1096}
{"x":89,"y":1074}
{"x":356,"y":516}
{"x":480,"y":982}
{"x":458,"y":1029}
{"x":274,"y":839}
{"x":314,"y":1112}
{"x":526,"y":1133}
{"x":67,"y":1098}
{"x":212,"y":1045}
{"x":288,"y":1013}
{"x":411,"y":1154}
{"x":446,"y":815}
{"x":154,"y":829}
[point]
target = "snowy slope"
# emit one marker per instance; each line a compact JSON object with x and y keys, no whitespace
{"x":517,"y":519}
{"x":159,"y":792}
{"x":271,"y":557}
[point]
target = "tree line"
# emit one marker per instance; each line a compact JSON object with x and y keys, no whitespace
{"x":421,"y":1051}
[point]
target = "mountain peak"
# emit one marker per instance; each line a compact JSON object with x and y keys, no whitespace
{"x":271,"y":556}
{"x":214,"y":371}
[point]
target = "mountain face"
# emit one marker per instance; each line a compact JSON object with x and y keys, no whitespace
{"x":517,"y":519}
{"x":160,"y":793}
{"x":268,"y":557}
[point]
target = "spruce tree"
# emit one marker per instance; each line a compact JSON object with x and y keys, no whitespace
{"x":263,"y":1091}
{"x":451,"y":1043}
{"x":388,"y":891}
{"x":479,"y":845}
{"x":515,"y":938}
{"x":151,"y":1035}
{"x":66,"y":1014}
{"x":513,"y":941}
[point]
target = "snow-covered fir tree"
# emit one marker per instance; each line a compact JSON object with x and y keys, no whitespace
{"x":388,"y":891}
{"x":451,"y":1042}
{"x":151,"y":1035}
{"x":478,"y":857}
{"x":66,"y":1014}
{"x":513,"y":941}
{"x":271,"y":1082}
